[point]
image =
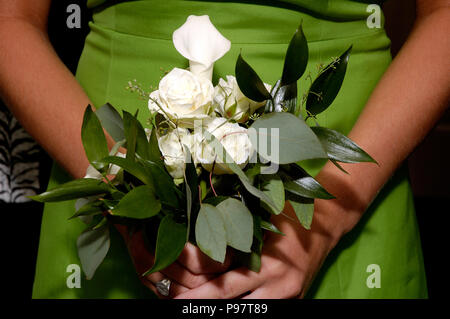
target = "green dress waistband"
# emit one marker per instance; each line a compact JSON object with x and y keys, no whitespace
{"x":243,"y":22}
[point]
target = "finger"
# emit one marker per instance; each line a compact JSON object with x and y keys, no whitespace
{"x":143,"y":261}
{"x":261,"y":293}
{"x":183,"y":276}
{"x":197,"y":262}
{"x":276,"y":290}
{"x":175,"y":287}
{"x":232,"y":284}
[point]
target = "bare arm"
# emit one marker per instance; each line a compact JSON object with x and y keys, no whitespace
{"x":407,"y":102}
{"x":48,"y":101}
{"x":37,"y":87}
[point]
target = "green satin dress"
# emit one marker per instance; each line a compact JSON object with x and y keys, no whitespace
{"x":133,"y":40}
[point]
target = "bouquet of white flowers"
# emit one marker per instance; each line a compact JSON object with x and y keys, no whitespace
{"x":216,"y":162}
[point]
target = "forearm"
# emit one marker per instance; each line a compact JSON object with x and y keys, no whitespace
{"x":42,"y":93}
{"x":407,"y":102}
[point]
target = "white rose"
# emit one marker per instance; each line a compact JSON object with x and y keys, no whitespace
{"x":231,"y":103}
{"x":182,"y":97}
{"x":201,"y":43}
{"x":173,"y":151}
{"x":233,"y":138}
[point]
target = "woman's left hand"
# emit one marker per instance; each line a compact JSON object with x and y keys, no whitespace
{"x":288,"y":264}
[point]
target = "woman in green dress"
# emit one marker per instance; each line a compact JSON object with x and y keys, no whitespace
{"x":348,"y":254}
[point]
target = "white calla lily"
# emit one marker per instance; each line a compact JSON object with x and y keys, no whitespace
{"x":201,"y":43}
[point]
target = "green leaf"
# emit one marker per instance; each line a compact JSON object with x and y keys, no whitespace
{"x":103,"y":222}
{"x":252,"y":260}
{"x":135,"y":133}
{"x":169,"y":244}
{"x":111,"y":121}
{"x":164,"y":185}
{"x":299,"y":182}
{"x":296,"y":58}
{"x":238,"y":223}
{"x":135,"y":169}
{"x":93,"y":138}
{"x":249,"y":82}
{"x":340,"y":148}
{"x":155,"y":153}
{"x":215,"y":200}
{"x":227,"y":160}
{"x":270,"y":227}
{"x":210,"y":233}
{"x":93,"y":245}
{"x":82,"y":187}
{"x":338,"y":166}
{"x":80,"y":202}
{"x":284,"y":98}
{"x":191,"y":184}
{"x":294,"y":138}
{"x":139,"y":203}
{"x":90,"y":209}
{"x":272,"y":186}
{"x":326,"y":86}
{"x":304,"y":209}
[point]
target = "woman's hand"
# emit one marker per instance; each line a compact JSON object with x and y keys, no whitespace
{"x":192,"y":269}
{"x":406,"y":104}
{"x":288,"y":264}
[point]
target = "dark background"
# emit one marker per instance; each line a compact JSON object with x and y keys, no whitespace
{"x":428,"y":167}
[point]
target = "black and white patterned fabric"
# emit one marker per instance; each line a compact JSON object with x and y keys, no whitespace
{"x":19,"y":160}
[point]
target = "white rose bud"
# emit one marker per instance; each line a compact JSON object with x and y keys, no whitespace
{"x":173,"y":151}
{"x":231,"y":103}
{"x":233,"y":138}
{"x":182,"y":97}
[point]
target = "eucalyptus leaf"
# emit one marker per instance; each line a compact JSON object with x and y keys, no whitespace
{"x":215,"y":200}
{"x":252,"y":260}
{"x":210,"y":233}
{"x":238,"y":223}
{"x":93,"y":246}
{"x":339,"y":147}
{"x":227,"y":160}
{"x":326,"y":86}
{"x":139,"y":203}
{"x":83,"y":187}
{"x":111,"y":121}
{"x":286,"y":137}
{"x":93,"y":138}
{"x":249,"y":82}
{"x":169,"y":244}
{"x":296,"y":58}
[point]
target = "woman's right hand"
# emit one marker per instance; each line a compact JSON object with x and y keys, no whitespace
{"x":192,"y":269}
